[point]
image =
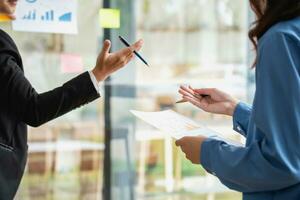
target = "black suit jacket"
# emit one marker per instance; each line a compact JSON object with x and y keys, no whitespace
{"x":20,"y":105}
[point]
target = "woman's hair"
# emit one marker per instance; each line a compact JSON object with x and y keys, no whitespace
{"x":270,"y":12}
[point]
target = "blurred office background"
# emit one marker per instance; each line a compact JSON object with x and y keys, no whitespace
{"x":198,"y":42}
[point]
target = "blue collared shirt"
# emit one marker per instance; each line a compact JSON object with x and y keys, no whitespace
{"x":268,"y":167}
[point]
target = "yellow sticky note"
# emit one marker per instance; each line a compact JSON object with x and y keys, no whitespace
{"x":4,"y":18}
{"x":109,"y":18}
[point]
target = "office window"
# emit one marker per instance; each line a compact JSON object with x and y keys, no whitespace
{"x":198,"y":43}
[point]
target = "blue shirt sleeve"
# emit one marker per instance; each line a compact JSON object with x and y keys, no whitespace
{"x":271,"y":159}
{"x":241,"y":117}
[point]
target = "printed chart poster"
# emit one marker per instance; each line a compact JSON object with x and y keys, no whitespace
{"x":47,"y":16}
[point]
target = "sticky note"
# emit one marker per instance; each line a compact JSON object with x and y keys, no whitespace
{"x":71,"y":63}
{"x":109,"y":18}
{"x":4,"y":18}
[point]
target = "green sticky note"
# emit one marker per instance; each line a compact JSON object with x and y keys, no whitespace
{"x":109,"y":18}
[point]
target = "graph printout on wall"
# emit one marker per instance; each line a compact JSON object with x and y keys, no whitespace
{"x":48,"y":16}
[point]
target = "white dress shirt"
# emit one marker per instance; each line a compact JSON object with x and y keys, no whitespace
{"x":96,"y":84}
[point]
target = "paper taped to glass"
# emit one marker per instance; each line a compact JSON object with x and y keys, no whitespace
{"x":174,"y":124}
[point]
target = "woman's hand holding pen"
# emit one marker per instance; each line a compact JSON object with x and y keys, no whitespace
{"x":210,"y":100}
{"x":108,"y":63}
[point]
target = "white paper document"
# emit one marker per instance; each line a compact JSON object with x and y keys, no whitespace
{"x":174,"y":124}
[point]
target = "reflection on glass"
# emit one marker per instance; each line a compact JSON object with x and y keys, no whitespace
{"x":201,"y":43}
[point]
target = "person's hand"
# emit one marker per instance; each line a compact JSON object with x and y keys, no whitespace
{"x":215,"y":101}
{"x":108,"y":63}
{"x":191,"y":146}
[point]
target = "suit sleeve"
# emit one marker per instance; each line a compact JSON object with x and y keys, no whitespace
{"x":270,"y":160}
{"x":35,"y":109}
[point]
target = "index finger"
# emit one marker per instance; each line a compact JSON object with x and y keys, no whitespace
{"x":125,"y":52}
{"x":205,"y":91}
{"x":137,"y":46}
{"x":187,"y":89}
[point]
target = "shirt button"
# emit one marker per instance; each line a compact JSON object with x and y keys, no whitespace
{"x":239,"y":128}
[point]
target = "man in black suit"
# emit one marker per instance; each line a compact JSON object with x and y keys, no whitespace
{"x":21,"y":105}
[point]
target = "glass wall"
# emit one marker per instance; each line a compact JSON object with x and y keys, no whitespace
{"x":202,"y":43}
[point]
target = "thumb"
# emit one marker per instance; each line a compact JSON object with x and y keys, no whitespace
{"x":179,"y":142}
{"x":106,"y":47}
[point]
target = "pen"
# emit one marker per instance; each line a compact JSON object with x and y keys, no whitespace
{"x":196,"y":95}
{"x":135,"y":52}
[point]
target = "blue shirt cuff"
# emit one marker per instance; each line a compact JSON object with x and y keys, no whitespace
{"x":206,"y":161}
{"x":241,"y":118}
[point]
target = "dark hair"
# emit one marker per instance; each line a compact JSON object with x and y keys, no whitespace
{"x":268,"y":13}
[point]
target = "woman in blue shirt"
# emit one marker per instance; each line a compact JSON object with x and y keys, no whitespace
{"x":268,"y":167}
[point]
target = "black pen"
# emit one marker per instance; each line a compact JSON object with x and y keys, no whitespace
{"x":135,"y":52}
{"x":195,"y":95}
